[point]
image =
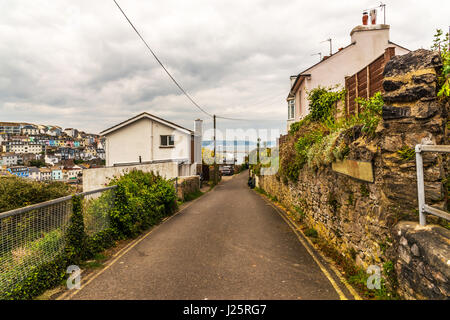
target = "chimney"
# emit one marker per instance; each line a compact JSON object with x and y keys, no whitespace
{"x":198,"y":133}
{"x":365,"y":18}
{"x":198,"y":127}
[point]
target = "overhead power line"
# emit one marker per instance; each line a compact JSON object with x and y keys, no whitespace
{"x":161,"y":64}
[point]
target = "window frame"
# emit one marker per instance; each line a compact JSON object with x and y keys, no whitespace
{"x":291,"y":109}
{"x":170,"y":141}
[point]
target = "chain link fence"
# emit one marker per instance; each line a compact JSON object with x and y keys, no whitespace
{"x":35,"y":235}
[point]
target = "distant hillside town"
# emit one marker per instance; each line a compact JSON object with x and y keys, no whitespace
{"x":48,"y":152}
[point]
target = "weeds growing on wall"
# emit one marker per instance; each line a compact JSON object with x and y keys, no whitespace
{"x":406,"y":153}
{"x":320,"y":138}
{"x":441,"y":43}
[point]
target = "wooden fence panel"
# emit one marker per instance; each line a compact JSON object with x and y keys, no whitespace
{"x":366,"y":82}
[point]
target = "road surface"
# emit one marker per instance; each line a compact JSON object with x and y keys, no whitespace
{"x":228,"y":244}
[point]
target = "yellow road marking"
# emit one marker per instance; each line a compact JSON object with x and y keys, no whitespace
{"x":322,"y":268}
{"x":325,"y":272}
{"x":330,"y":262}
{"x":68,"y":295}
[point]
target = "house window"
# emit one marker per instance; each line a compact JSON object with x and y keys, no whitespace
{"x":167,"y":141}
{"x":291,"y":109}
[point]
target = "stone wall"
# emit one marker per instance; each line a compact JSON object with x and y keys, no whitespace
{"x":187,"y":185}
{"x":346,"y":212}
{"x":412,"y":115}
{"x":423,"y":264}
{"x":358,"y":218}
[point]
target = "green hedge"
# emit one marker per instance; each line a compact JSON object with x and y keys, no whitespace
{"x":142,"y":200}
{"x":17,"y":192}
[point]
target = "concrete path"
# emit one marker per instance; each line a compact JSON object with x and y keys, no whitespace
{"x":228,"y":244}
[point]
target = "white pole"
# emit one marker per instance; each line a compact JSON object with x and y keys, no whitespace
{"x":420,"y":185}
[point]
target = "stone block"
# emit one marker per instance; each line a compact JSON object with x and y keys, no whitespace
{"x":412,"y":61}
{"x":410,"y":93}
{"x":392,"y":85}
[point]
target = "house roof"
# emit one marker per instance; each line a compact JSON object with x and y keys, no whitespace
{"x":303,"y":73}
{"x":148,"y":116}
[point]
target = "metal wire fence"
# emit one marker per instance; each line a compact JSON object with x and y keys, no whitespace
{"x":96,"y":209}
{"x":35,"y":235}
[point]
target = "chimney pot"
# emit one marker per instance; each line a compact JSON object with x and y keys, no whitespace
{"x":365,"y":18}
{"x":373,"y":16}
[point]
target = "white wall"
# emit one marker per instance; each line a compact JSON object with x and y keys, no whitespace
{"x":182,"y":144}
{"x":99,"y":177}
{"x":142,"y":138}
{"x":128,"y":143}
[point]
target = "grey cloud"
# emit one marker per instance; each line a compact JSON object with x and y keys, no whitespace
{"x":79,"y":64}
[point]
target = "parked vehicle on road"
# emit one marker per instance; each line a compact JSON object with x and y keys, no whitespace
{"x":226,"y":170}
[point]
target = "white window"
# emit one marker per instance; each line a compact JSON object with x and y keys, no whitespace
{"x":291,"y":109}
{"x":167,"y":141}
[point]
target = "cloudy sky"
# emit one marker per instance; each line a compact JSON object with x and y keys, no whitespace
{"x":79,"y":64}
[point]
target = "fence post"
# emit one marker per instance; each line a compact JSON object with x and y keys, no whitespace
{"x":420,"y":185}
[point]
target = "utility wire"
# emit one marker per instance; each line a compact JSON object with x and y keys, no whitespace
{"x":161,"y":64}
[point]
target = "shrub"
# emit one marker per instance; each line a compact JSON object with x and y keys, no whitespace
{"x":142,"y":200}
{"x":311,"y":232}
{"x":296,"y":126}
{"x":76,"y":238}
{"x":370,"y":115}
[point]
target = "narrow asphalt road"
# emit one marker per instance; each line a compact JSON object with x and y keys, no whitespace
{"x":229,"y":244}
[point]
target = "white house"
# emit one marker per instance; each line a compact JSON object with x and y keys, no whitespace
{"x":367,"y":43}
{"x":146,"y":138}
{"x":9,"y":159}
{"x":51,"y":160}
